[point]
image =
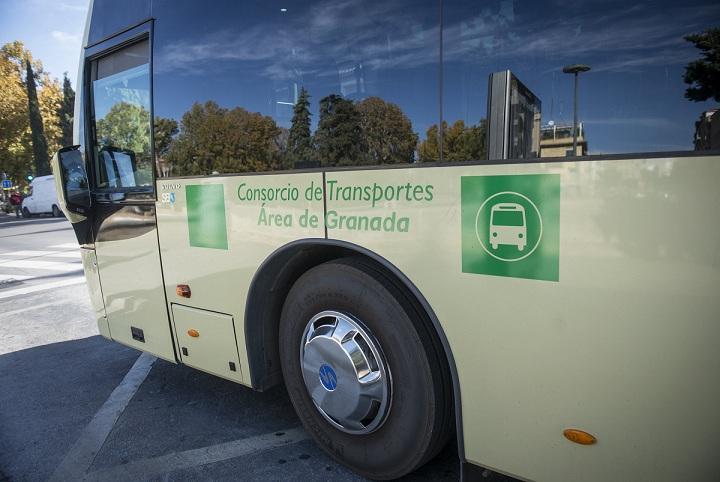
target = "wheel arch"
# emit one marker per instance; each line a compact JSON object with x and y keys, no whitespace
{"x":269,"y":288}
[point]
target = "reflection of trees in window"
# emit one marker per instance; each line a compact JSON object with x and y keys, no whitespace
{"x":369,"y":132}
{"x":339,"y":137}
{"x":165,"y":130}
{"x":299,"y":142}
{"x":388,"y":132}
{"x":460,"y":142}
{"x":215,"y":139}
{"x":703,"y":75}
{"x":126,"y":126}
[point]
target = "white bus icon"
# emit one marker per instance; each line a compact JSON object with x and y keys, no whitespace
{"x":508,"y":226}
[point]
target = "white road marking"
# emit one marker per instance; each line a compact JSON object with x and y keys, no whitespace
{"x":147,"y":468}
{"x":81,"y":455}
{"x":75,"y":280}
{"x":8,"y":314}
{"x":39,"y":254}
{"x":26,"y":254}
{"x":66,"y":254}
{"x":7,"y":277}
{"x":38,"y":264}
{"x":65,"y":246}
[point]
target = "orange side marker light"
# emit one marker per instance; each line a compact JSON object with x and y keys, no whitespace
{"x":579,"y":436}
{"x":183,"y":291}
{"x":193,"y":332}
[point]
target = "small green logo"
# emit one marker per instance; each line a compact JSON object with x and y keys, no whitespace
{"x":511,"y":225}
{"x":206,"y":215}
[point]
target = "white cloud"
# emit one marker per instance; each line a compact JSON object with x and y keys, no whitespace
{"x":64,"y":37}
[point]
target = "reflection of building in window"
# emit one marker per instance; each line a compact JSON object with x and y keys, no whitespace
{"x":707,"y":131}
{"x":514,"y":113}
{"x":557,"y":141}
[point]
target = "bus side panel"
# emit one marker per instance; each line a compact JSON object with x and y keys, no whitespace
{"x":612,"y":328}
{"x":214,"y":241}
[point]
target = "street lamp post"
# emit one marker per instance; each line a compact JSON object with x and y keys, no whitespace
{"x":575,"y":69}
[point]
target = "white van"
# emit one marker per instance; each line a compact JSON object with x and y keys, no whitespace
{"x":42,"y":198}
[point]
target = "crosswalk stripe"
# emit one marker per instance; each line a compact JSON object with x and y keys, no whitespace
{"x":7,"y":277}
{"x":37,"y":254}
{"x":33,"y":264}
{"x":26,"y":254}
{"x":45,"y":286}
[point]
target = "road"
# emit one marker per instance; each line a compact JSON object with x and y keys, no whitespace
{"x":74,"y":406}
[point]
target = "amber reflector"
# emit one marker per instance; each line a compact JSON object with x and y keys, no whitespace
{"x":579,"y":436}
{"x":193,"y":333}
{"x":182,"y":291}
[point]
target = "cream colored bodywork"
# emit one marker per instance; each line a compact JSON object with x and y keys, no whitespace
{"x":623,"y":346}
{"x":92,"y":278}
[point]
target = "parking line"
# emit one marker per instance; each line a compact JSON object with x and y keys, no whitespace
{"x":81,"y":455}
{"x":147,"y":468}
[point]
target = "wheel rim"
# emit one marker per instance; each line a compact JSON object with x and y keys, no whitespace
{"x":345,"y":372}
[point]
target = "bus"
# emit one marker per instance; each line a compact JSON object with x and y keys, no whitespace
{"x":302,"y":194}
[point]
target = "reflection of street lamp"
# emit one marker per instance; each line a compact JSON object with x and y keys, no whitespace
{"x":575,"y":69}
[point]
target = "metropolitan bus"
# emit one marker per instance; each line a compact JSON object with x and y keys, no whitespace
{"x":302,"y":193}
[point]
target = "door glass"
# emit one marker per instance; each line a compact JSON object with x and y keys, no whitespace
{"x":121,"y":101}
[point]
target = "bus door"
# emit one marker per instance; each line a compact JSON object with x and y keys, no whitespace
{"x":123,"y":199}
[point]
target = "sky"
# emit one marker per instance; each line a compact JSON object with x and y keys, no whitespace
{"x":51,"y":29}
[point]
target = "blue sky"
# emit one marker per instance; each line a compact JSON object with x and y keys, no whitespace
{"x":52,"y":30}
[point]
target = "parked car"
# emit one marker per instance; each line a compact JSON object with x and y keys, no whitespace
{"x":42,"y":198}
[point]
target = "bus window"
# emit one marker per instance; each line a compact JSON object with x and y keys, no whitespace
{"x":632,"y":99}
{"x":260,"y":86}
{"x":121,"y":103}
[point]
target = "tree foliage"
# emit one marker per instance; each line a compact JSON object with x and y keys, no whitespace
{"x":17,"y":156}
{"x":339,"y":136}
{"x":299,"y":141}
{"x":37,"y":130}
{"x":125,"y":126}
{"x":213,"y":138}
{"x":703,"y":75}
{"x":387,"y":132}
{"x":460,"y":142}
{"x":66,"y":112}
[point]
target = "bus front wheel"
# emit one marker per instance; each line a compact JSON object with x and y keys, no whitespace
{"x":365,"y":376}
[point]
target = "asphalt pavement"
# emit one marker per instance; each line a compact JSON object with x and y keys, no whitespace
{"x":74,"y":406}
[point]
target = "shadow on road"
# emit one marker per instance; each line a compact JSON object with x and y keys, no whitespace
{"x":51,"y":392}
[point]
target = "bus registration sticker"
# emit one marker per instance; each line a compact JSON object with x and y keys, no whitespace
{"x":511,"y":225}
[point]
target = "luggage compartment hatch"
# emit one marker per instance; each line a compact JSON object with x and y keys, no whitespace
{"x":207,"y":341}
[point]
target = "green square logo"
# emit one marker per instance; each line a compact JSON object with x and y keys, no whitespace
{"x":206,"y":215}
{"x":511,"y":225}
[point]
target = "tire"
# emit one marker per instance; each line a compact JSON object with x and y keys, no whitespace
{"x":56,"y":211}
{"x":419,"y":419}
{"x":26,"y":213}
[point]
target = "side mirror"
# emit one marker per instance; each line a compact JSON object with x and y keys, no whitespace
{"x":72,"y":183}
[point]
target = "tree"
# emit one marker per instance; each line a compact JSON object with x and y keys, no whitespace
{"x":339,"y":136}
{"x":66,"y":112}
{"x":39,"y":143}
{"x":15,"y":151}
{"x":215,"y":139}
{"x":126,"y":126}
{"x":50,"y":98}
{"x":703,"y":76}
{"x":165,"y":130}
{"x":460,"y":142}
{"x":16,"y":136}
{"x":429,"y":149}
{"x":387,"y":132}
{"x":299,"y":142}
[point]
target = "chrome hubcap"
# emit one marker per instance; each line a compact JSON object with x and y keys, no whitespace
{"x":345,"y":372}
